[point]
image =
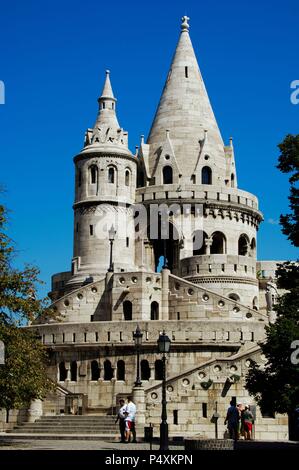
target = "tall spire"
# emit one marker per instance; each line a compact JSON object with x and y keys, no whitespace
{"x":106,"y":130}
{"x":184,"y":109}
{"x":107,"y":89}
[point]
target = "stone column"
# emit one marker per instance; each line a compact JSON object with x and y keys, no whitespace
{"x":139,"y":400}
{"x":165,"y":292}
{"x":35,"y":411}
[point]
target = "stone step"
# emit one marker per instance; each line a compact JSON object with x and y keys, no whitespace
{"x":70,"y":428}
{"x":63,"y":431}
{"x":86,"y":437}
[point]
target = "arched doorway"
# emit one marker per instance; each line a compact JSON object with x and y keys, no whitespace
{"x":165,"y":241}
{"x":159,"y":369}
{"x":62,"y":372}
{"x":127,"y":310}
{"x":120,"y":371}
{"x":145,"y":370}
{"x":95,"y":370}
{"x":154,"y":311}
{"x":108,"y":371}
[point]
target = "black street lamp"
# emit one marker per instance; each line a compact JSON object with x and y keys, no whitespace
{"x":137,"y":336}
{"x":112,"y":234}
{"x":163,"y":347}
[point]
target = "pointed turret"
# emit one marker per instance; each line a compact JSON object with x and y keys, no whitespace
{"x":106,"y":131}
{"x":185,"y":110}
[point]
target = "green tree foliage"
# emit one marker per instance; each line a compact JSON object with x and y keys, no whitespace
{"x":23,"y":377}
{"x":289,"y":163}
{"x":276,"y":385}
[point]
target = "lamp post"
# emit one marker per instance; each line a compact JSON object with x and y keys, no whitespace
{"x":163,"y":347}
{"x":112,"y":234}
{"x":137,"y":336}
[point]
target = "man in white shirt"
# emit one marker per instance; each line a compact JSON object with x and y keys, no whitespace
{"x":130,"y":414}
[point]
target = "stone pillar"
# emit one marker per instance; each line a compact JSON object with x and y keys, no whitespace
{"x":139,"y":400}
{"x":68,"y":371}
{"x":165,"y":292}
{"x":35,"y":411}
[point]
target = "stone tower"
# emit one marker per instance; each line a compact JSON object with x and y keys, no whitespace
{"x":186,"y":163}
{"x":206,"y":296}
{"x":104,"y":191}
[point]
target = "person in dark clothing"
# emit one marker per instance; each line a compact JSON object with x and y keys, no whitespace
{"x":232,"y":420}
{"x":121,"y":417}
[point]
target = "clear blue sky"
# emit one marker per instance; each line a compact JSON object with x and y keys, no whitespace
{"x":53,"y":57}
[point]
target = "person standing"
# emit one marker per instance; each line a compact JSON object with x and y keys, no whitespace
{"x":248,"y":422}
{"x":121,"y":419}
{"x":130,"y":414}
{"x":232,"y":420}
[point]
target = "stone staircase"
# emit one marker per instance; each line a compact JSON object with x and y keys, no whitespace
{"x":63,"y":426}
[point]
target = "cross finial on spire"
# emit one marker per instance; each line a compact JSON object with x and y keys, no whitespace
{"x":185,"y":25}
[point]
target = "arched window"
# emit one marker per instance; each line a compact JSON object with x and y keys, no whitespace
{"x":111,"y":175}
{"x":167,"y":175}
{"x":108,"y":371}
{"x":127,"y":309}
{"x":206,"y":175}
{"x":95,"y":370}
{"x":62,"y":372}
{"x":253,"y":247}
{"x":158,"y":370}
{"x":127,"y":178}
{"x":93,"y":174}
{"x":232,"y":180}
{"x":199,"y":242}
{"x":243,"y":245}
{"x":255,"y":303}
{"x":121,"y":371}
{"x":74,"y":371}
{"x":218,"y":243}
{"x":234,"y":296}
{"x":154,"y":311}
{"x":145,"y":370}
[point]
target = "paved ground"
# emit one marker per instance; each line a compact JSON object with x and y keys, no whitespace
{"x":47,"y":444}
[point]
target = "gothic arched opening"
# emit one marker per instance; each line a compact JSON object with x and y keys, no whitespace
{"x":165,"y":242}
{"x":218,"y":244}
{"x":127,"y":310}
{"x":127,"y":178}
{"x":93,"y":174}
{"x":154,"y":311}
{"x":108,"y":371}
{"x":243,"y":245}
{"x":199,"y":242}
{"x":121,"y":370}
{"x":206,"y":175}
{"x":145,"y":370}
{"x":167,"y":175}
{"x":62,"y":372}
{"x":158,"y":369}
{"x":95,"y":370}
{"x":232,"y":180}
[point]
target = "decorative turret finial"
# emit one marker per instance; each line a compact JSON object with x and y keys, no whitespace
{"x":185,"y":25}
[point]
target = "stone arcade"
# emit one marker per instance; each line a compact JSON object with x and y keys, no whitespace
{"x":212,"y":299}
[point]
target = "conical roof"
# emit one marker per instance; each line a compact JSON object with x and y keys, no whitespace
{"x":185,"y":110}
